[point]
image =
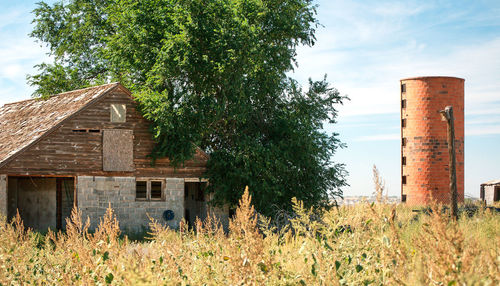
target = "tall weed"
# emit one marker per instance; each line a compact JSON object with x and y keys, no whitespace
{"x":366,"y":244}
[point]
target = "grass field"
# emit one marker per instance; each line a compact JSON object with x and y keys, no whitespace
{"x":360,"y":245}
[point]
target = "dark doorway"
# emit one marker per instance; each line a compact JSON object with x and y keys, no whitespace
{"x":496,"y":196}
{"x":194,"y":202}
{"x":42,"y":202}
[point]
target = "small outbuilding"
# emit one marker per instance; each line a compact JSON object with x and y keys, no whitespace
{"x":89,"y":148}
{"x":490,"y":191}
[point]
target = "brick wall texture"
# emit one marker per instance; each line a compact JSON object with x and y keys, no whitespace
{"x":96,"y":193}
{"x":426,"y":148}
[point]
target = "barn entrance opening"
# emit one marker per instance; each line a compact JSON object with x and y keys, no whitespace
{"x":194,"y":202}
{"x":42,"y":202}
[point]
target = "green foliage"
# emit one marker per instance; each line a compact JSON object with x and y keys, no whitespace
{"x":75,"y":34}
{"x":208,"y":74}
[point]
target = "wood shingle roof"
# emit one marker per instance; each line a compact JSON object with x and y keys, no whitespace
{"x":25,"y":122}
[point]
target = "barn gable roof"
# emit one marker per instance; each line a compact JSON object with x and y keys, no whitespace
{"x":26,"y":122}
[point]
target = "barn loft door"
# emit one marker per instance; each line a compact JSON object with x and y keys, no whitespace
{"x":117,"y":150}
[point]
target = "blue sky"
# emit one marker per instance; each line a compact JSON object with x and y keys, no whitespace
{"x":365,"y":48}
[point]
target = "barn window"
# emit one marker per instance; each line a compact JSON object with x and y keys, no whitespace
{"x":118,"y":112}
{"x":117,"y":150}
{"x":403,"y":161}
{"x":403,"y":88}
{"x":156,"y":190}
{"x":403,"y":142}
{"x":141,"y":190}
{"x":403,"y":180}
{"x":403,"y":103}
{"x":403,"y":122}
{"x":80,"y":130}
{"x":149,"y":190}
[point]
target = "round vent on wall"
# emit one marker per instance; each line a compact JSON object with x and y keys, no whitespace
{"x":168,"y":215}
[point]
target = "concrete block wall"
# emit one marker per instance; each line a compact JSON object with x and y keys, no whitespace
{"x":3,"y":195}
{"x":425,"y":134}
{"x":94,"y":194}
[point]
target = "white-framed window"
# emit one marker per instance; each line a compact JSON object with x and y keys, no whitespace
{"x":149,"y":189}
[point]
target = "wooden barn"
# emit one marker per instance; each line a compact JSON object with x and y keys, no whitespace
{"x":90,"y":148}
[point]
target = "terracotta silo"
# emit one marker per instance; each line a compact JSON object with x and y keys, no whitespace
{"x":424,"y":150}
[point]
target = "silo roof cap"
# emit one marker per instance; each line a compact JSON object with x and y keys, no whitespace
{"x":430,"y":77}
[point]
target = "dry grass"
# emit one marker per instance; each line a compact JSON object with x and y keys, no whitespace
{"x":361,"y":245}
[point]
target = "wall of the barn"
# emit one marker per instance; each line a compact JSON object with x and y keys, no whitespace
{"x":3,"y":195}
{"x":489,"y":194}
{"x":75,"y":148}
{"x":96,"y":193}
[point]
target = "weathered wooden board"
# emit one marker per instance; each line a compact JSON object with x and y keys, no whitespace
{"x":117,"y":150}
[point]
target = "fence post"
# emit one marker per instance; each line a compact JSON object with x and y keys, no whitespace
{"x":447,"y":114}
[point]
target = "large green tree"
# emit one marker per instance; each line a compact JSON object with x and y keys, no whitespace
{"x":211,"y":74}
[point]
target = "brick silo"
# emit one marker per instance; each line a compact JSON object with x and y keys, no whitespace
{"x":424,"y":150}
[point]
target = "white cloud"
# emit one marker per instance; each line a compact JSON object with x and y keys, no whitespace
{"x":400,"y":9}
{"x":482,"y":130}
{"x":11,"y":71}
{"x":12,"y":17}
{"x":483,"y":120}
{"x":19,"y":53}
{"x":374,"y":85}
{"x":366,"y":47}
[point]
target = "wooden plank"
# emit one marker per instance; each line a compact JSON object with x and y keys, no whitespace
{"x":117,"y":150}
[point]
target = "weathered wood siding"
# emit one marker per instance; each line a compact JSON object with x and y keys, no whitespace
{"x":68,"y":152}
